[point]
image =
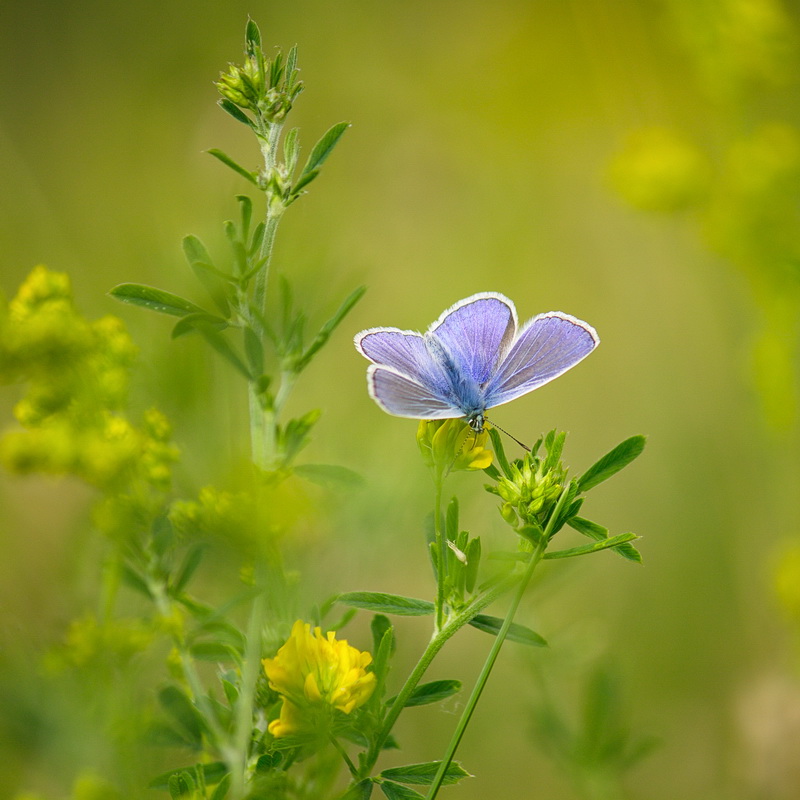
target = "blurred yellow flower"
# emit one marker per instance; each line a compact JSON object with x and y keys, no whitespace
{"x":315,"y":675}
{"x":449,"y":445}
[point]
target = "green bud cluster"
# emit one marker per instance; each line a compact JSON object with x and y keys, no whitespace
{"x":267,"y":87}
{"x":532,"y":486}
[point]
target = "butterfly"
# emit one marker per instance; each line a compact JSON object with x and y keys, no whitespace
{"x":474,"y":357}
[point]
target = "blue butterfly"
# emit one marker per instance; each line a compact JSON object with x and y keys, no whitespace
{"x":474,"y":357}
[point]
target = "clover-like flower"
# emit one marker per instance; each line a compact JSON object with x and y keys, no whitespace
{"x":316,"y":676}
{"x":449,"y":445}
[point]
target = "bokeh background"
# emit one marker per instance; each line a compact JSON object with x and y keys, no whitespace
{"x":635,"y":163}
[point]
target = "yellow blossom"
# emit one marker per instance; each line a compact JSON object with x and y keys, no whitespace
{"x":315,"y":675}
{"x":449,"y":445}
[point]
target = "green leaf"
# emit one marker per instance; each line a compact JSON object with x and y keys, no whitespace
{"x":303,"y":181}
{"x":136,"y":581}
{"x":268,"y":762}
{"x":588,"y":528}
{"x":254,"y":350}
{"x":222,"y":788}
{"x":433,"y":692}
{"x":208,"y":326}
{"x":192,"y":323}
{"x":451,"y":520}
{"x":324,"y":147}
{"x":516,"y":633}
{"x":180,"y":786}
{"x":423,"y":774}
{"x":473,"y":563}
{"x":214,"y":651}
{"x":232,"y":109}
{"x":138,"y":294}
{"x":612,"y":462}
{"x":395,"y":791}
{"x":190,"y":563}
{"x":212,"y":773}
{"x":329,"y":327}
{"x":229,"y":162}
{"x":387,"y":603}
{"x":252,"y":36}
{"x":331,"y":476}
{"x":246,"y":209}
{"x":291,"y":150}
{"x":499,"y":451}
{"x":361,"y":791}
{"x":604,"y":544}
{"x":177,"y":704}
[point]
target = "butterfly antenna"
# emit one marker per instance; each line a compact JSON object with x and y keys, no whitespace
{"x":523,"y":446}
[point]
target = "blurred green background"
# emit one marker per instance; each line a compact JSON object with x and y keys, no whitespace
{"x":515,"y":146}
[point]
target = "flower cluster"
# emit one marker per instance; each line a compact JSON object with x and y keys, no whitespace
{"x":76,"y":378}
{"x":450,"y":445}
{"x":267,"y":87}
{"x":316,"y":676}
{"x":532,"y":488}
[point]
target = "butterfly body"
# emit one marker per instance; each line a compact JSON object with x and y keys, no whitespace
{"x":472,"y":358}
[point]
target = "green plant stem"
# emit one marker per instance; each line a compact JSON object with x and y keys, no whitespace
{"x":263,"y":422}
{"x":441,"y":572}
{"x":165,"y":606}
{"x":243,"y":726}
{"x":536,"y":557}
{"x":341,"y":751}
{"x":451,"y":627}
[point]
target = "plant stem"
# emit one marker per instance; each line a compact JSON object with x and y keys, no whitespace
{"x":441,"y":572}
{"x":244,"y":704}
{"x":453,"y":625}
{"x":262,"y":422}
{"x":341,"y":751}
{"x":536,"y":557}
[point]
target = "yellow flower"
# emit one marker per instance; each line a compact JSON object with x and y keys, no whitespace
{"x":315,"y":675}
{"x":449,"y":445}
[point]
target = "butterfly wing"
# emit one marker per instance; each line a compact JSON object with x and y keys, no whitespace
{"x":401,"y":396}
{"x":404,"y":352}
{"x":546,"y":347}
{"x":476,"y":333}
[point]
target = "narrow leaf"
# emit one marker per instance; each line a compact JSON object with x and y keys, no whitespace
{"x":588,"y":528}
{"x":212,"y":773}
{"x":159,"y":300}
{"x":330,"y":326}
{"x":303,"y":181}
{"x":387,"y":603}
{"x":222,"y":789}
{"x":253,"y":350}
{"x":323,"y":148}
{"x":423,"y":774}
{"x":252,"y":36}
{"x":361,"y":791}
{"x":516,"y":633}
{"x":235,"y":112}
{"x":224,"y":348}
{"x":197,"y":322}
{"x":190,"y":563}
{"x":396,"y":791}
{"x":183,"y":711}
{"x":330,"y":475}
{"x":604,"y":544}
{"x":499,"y":451}
{"x":432,"y":692}
{"x":612,"y":462}
{"x":236,"y":167}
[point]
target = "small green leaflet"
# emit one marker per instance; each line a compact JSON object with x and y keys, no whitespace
{"x":387,"y":603}
{"x":611,"y":463}
{"x":138,"y":294}
{"x":432,"y":692}
{"x":516,"y":633}
{"x":423,"y":774}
